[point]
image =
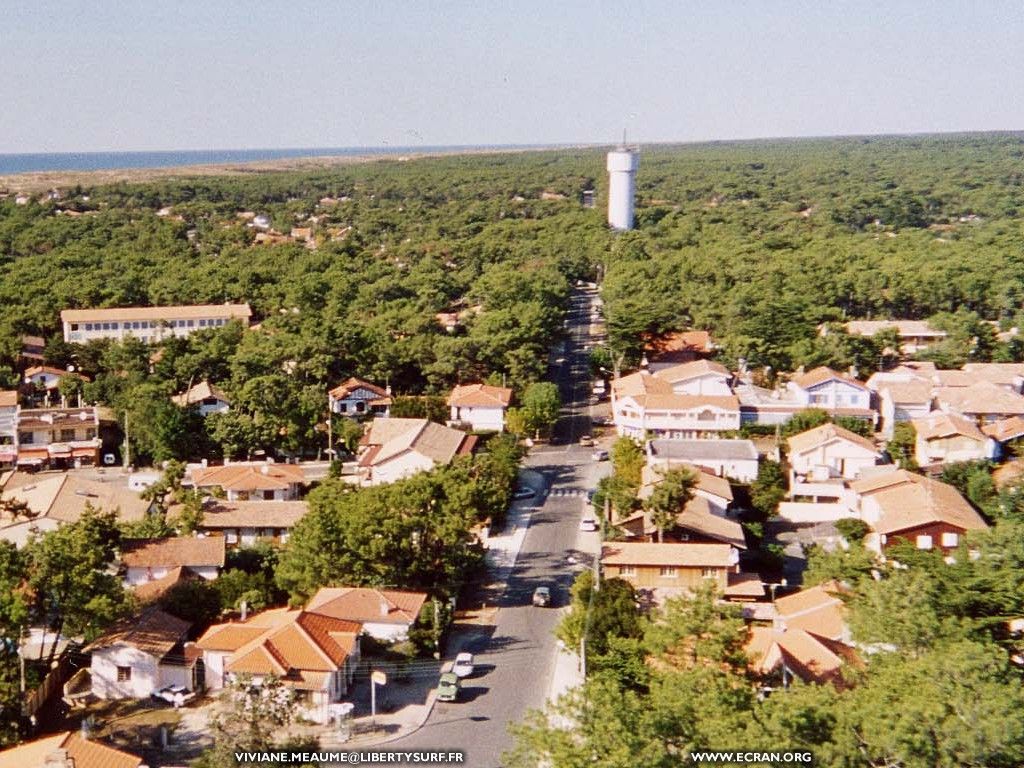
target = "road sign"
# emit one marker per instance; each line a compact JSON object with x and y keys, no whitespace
{"x":378,"y":677}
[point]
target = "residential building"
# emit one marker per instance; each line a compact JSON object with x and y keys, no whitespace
{"x":695,"y":523}
{"x":981,"y":401}
{"x":386,"y":614}
{"x":150,"y":324}
{"x":246,"y":523}
{"x":645,"y":403}
{"x":914,"y":335}
{"x":314,"y":655}
{"x":822,"y":458}
{"x":250,"y":481}
{"x":67,"y":749}
{"x":355,"y":398}
{"x":784,"y":655}
{"x":659,"y":571}
{"x":8,"y":428}
{"x":734,"y":459}
{"x":1006,"y":433}
{"x":47,"y":377}
{"x":58,"y":437}
{"x":33,"y":349}
{"x":834,"y":392}
{"x":700,"y":377}
{"x":711,"y":487}
{"x":1009,"y":376}
{"x":480,"y":407}
{"x":943,"y":438}
{"x":395,"y":448}
{"x":141,"y":655}
{"x":901,"y":402}
{"x":904,"y":506}
{"x":207,"y":397}
{"x":819,"y":609}
{"x":146,"y":560}
{"x":679,"y":347}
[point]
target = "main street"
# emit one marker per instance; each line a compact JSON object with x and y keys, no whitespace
{"x":516,"y":655}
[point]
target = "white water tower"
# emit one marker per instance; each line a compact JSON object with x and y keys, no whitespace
{"x":622,"y":165}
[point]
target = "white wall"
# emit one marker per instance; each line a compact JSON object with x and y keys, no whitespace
{"x":479,"y":418}
{"x":706,"y":384}
{"x":214,"y":662}
{"x":806,"y":512}
{"x":387,"y":632}
{"x":145,"y":675}
{"x":403,"y":465}
{"x":136,"y":576}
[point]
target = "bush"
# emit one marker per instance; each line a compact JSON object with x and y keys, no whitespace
{"x":852,"y":529}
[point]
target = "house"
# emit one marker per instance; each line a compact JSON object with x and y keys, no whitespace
{"x":735,"y":459}
{"x":839,"y":394}
{"x":246,"y":523}
{"x":944,"y":438}
{"x":822,"y":458}
{"x":146,"y":560}
{"x":386,"y":614}
{"x":817,"y":609}
{"x":1006,"y":433}
{"x":783,"y":655}
{"x":714,"y":489}
{"x":314,"y":655}
{"x":247,"y":481}
{"x":1009,"y":376}
{"x":981,"y":401}
{"x":47,"y":377}
{"x":645,"y":403}
{"x":149,"y":324}
{"x":480,"y":406}
{"x":696,"y":523}
{"x":395,"y":448}
{"x":67,"y":749}
{"x":33,"y":349}
{"x":700,"y":377}
{"x":58,"y":437}
{"x":8,"y":428}
{"x":901,"y":402}
{"x":208,"y":397}
{"x":62,"y":497}
{"x":142,"y":654}
{"x":659,"y":571}
{"x":356,"y":397}
{"x":902,"y":506}
{"x":679,"y":347}
{"x":914,"y":335}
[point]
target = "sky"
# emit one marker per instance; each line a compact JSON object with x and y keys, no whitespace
{"x":137,"y":75}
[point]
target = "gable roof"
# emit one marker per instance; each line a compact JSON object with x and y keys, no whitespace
{"x":86,"y":753}
{"x":1005,"y":429}
{"x":640,"y":383}
{"x":812,"y":658}
{"x":8,"y":398}
{"x":694,"y":451}
{"x":981,"y":397}
{"x":902,"y":327}
{"x":692,"y":370}
{"x":941,"y":424}
{"x":681,"y":341}
{"x":353,"y":384}
{"x":681,"y":555}
{"x":908,"y":500}
{"x":204,"y":390}
{"x":480,"y":396}
{"x":149,"y":591}
{"x":816,"y":609}
{"x":249,"y":477}
{"x":194,"y":551}
{"x":392,"y":437}
{"x":64,"y":497}
{"x":650,"y":476}
{"x":219,"y":514}
{"x":909,"y":392}
{"x":827,"y":433}
{"x":822,"y":374}
{"x":153,"y":631}
{"x":367,"y":604}
{"x":697,"y":516}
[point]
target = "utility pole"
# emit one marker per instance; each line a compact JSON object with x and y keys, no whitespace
{"x":127,"y":445}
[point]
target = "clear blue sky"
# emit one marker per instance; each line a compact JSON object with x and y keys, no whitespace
{"x":138,"y":75}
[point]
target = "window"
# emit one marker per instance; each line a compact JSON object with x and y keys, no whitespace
{"x":124,"y":674}
{"x":708,"y":573}
{"x":706,"y":416}
{"x":627,"y":570}
{"x":360,"y":406}
{"x":950,"y":539}
{"x":202,"y":323}
{"x":191,"y":323}
{"x":342,"y":407}
{"x":26,"y":438}
{"x":136,"y":325}
{"x":90,"y":433}
{"x":668,"y":572}
{"x":88,"y":327}
{"x":924,"y":541}
{"x":67,"y":435}
{"x":74,"y":326}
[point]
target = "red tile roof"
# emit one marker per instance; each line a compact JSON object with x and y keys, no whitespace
{"x":480,"y":396}
{"x":195,"y":551}
{"x":367,"y":605}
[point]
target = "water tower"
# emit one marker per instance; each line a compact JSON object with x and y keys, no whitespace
{"x":622,"y":165}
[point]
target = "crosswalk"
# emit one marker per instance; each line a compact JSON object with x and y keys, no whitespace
{"x":568,"y":492}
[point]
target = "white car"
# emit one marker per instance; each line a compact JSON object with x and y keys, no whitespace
{"x":175,"y":694}
{"x":599,"y":456}
{"x":463,"y":666}
{"x":588,"y":524}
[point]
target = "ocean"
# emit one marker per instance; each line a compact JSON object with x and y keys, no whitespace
{"x":101,"y":161}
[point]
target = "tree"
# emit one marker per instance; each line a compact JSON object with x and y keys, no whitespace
{"x":853,"y":529}
{"x":541,"y":404}
{"x":902,"y":447}
{"x":849,"y":566}
{"x":670,"y":496}
{"x":769,"y":488}
{"x":197,"y":601}
{"x":628,"y":461}
{"x":599,"y":614}
{"x":250,"y":717}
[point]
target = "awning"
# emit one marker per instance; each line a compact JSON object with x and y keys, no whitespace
{"x":33,"y":456}
{"x":83,"y":453}
{"x":59,"y":449}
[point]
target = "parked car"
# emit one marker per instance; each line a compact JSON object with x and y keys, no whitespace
{"x":587,"y":441}
{"x":588,"y":524}
{"x":599,"y":455}
{"x":524,"y":493}
{"x":448,"y":687}
{"x":542,"y":597}
{"x":174,"y":694}
{"x":463,"y":665}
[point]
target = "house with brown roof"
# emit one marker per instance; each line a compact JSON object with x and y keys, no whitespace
{"x":207,"y":397}
{"x":914,"y":335}
{"x":395,"y":448}
{"x":679,"y":347}
{"x":699,"y":377}
{"x":146,"y":560}
{"x":716,"y":490}
{"x":246,"y":523}
{"x":659,"y":571}
{"x":248,"y":481}
{"x":823,"y":458}
{"x":140,"y":655}
{"x":149,"y":324}
{"x":1006,"y":433}
{"x":695,"y":523}
{"x":902,"y":506}
{"x":356,"y":398}
{"x":480,"y":407}
{"x":67,"y":749}
{"x":386,"y":614}
{"x":47,"y":377}
{"x":944,"y":438}
{"x":981,"y":401}
{"x":819,"y":609}
{"x":313,"y":654}
{"x":646,"y":403}
{"x":837,"y":393}
{"x":59,"y":437}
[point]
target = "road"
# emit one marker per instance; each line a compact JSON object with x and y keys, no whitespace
{"x":516,"y":655}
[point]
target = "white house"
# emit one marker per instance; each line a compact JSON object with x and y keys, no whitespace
{"x":141,"y":655}
{"x":698,"y":377}
{"x":914,"y":335}
{"x":47,"y":377}
{"x":901,"y":402}
{"x":946,"y":437}
{"x":208,"y":397}
{"x":149,"y":324}
{"x":356,"y":397}
{"x":646,"y":403}
{"x":395,"y":448}
{"x":983,"y":402}
{"x":249,"y":481}
{"x":147,"y":560}
{"x":831,"y":391}
{"x":8,"y":428}
{"x":480,"y":406}
{"x":386,"y":614}
{"x":735,"y":459}
{"x":822,"y":458}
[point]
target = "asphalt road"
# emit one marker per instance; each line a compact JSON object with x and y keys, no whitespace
{"x":515,"y":657}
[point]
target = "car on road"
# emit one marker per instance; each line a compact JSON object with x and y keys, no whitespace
{"x":599,"y":455}
{"x":463,"y":665}
{"x":542,"y":597}
{"x":448,"y":687}
{"x":588,"y":524}
{"x":587,"y":441}
{"x":524,"y":493}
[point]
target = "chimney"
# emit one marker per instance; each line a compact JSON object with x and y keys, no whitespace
{"x":265,"y":469}
{"x":244,"y":607}
{"x":385,"y":609}
{"x":853,"y":372}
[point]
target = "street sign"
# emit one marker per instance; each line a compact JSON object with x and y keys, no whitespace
{"x":378,"y":677}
